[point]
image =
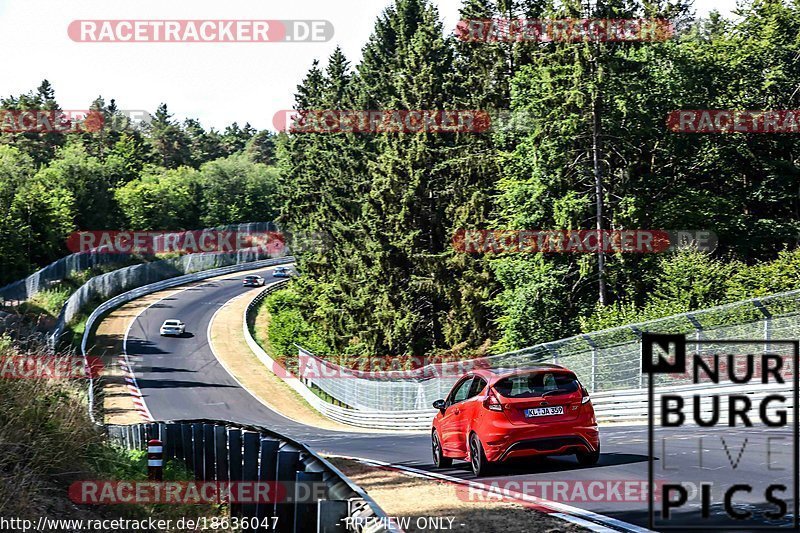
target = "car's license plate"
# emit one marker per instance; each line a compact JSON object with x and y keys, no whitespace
{"x":545,"y":411}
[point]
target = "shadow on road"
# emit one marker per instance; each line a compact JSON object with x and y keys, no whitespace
{"x":174,"y":384}
{"x":525,"y":467}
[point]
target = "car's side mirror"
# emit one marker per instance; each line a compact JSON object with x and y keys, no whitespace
{"x":440,"y":405}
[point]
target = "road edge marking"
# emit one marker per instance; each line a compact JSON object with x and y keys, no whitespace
{"x":228,"y":370}
{"x":561,"y":510}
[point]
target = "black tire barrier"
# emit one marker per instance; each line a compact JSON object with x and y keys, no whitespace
{"x":318,"y":498}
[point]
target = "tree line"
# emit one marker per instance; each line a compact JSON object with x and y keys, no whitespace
{"x":595,"y":152}
{"x":159,"y":174}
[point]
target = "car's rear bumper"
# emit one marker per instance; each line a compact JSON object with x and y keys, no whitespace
{"x":557,"y":445}
{"x":507,"y":441}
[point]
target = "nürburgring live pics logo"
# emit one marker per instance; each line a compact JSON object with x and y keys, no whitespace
{"x":723,"y":433}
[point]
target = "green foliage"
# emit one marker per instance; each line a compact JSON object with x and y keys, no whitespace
{"x":160,"y":198}
{"x":387,"y":280}
{"x":373,"y":215}
{"x":690,"y":280}
{"x":768,"y":277}
{"x":533,"y":306}
{"x":287,"y":326}
{"x":163,"y":176}
{"x":235,"y":189}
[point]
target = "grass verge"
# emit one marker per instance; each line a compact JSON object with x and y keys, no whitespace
{"x":47,"y":442}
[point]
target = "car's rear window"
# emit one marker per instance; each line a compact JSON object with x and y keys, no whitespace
{"x":535,"y":384}
{"x":171,"y":323}
{"x":250,"y":277}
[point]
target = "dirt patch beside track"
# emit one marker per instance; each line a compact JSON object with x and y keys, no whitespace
{"x":418,"y":499}
{"x":230,"y":347}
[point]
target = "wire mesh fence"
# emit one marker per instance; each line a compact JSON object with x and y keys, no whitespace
{"x":72,"y":264}
{"x":104,"y":286}
{"x":606,"y":360}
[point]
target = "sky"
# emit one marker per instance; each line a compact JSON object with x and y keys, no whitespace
{"x":217,"y":83}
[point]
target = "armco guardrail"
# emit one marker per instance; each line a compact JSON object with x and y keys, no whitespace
{"x":382,"y":401}
{"x":605,"y":361}
{"x":125,"y":297}
{"x":320,"y":498}
{"x":410,"y":420}
{"x":115,"y":282}
{"x":62,"y":268}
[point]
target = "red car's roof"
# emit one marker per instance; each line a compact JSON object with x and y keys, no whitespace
{"x":495,"y":374}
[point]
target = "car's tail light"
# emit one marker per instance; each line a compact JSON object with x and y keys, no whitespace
{"x":492,"y":403}
{"x":584,"y":395}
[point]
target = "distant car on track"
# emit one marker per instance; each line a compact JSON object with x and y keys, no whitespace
{"x":172,"y":326}
{"x":494,"y":415}
{"x":281,"y":272}
{"x":253,"y":281}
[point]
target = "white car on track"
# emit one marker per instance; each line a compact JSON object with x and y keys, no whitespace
{"x":253,"y":281}
{"x":172,"y":326}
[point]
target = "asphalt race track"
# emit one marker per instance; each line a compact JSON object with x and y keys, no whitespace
{"x":181,"y":379}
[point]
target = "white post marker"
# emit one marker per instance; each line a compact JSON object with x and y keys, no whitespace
{"x":155,"y":460}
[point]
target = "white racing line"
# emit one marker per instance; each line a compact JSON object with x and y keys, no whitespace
{"x":128,"y":369}
{"x":228,"y":369}
{"x":581,"y":517}
{"x":130,"y":376}
{"x":587,"y":519}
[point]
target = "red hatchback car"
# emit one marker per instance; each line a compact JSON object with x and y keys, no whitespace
{"x":494,"y":415}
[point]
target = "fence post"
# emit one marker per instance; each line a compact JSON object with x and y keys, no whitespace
{"x":331,"y":516}
{"x":306,"y":495}
{"x":235,"y":463}
{"x":553,"y":352}
{"x":250,"y":470}
{"x":197,"y":451}
{"x":186,"y":440}
{"x":288,"y":462}
{"x":267,"y":473}
{"x":172,"y":441}
{"x":209,"y":466}
{"x":638,"y":333}
{"x":142,"y":435}
{"x":593,"y":345}
{"x":155,"y":460}
{"x":161,"y":429}
{"x":698,"y":327}
{"x":221,"y":452}
{"x":136,"y":437}
{"x":767,"y":323}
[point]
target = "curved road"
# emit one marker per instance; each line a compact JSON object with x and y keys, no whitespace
{"x":180,"y":378}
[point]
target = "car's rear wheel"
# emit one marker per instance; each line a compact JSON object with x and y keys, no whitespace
{"x":477,"y":457}
{"x":589,"y":458}
{"x":438,"y":456}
